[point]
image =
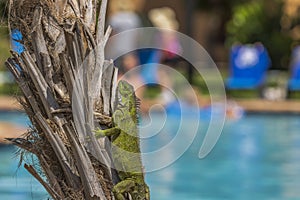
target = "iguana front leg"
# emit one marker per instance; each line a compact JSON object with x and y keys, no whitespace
{"x":107,"y":132}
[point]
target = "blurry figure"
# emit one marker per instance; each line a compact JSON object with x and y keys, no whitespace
{"x":165,"y":18}
{"x":122,"y":18}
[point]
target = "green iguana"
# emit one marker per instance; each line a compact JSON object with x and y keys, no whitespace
{"x":125,"y":145}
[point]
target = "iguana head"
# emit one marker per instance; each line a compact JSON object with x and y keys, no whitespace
{"x":125,"y":94}
{"x":124,"y":91}
{"x":126,"y":106}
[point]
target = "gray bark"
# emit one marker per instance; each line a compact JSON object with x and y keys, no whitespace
{"x":68,"y":91}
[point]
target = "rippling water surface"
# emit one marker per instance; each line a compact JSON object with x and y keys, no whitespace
{"x":256,"y":157}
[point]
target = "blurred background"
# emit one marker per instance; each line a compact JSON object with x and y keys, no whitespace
{"x":255,"y":45}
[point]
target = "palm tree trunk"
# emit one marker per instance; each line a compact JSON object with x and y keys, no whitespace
{"x":61,"y":75}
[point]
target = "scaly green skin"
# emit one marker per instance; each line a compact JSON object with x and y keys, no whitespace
{"x":125,"y":145}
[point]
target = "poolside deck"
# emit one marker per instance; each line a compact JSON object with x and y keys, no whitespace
{"x":9,"y":103}
{"x":9,"y":130}
{"x":259,"y":105}
{"x":250,"y":105}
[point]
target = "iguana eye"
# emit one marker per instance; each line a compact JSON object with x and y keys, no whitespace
{"x":119,"y":98}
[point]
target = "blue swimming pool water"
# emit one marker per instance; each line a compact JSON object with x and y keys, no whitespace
{"x":16,"y":183}
{"x":18,"y":118}
{"x":257,"y":157}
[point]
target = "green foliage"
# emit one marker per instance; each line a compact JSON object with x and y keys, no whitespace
{"x":10,"y":89}
{"x":4,"y":47}
{"x":259,"y":21}
{"x":4,"y":39}
{"x":7,"y":88}
{"x":247,"y":22}
{"x":294,"y":95}
{"x":244,"y":94}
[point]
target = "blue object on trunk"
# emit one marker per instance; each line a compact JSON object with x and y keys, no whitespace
{"x":16,"y":38}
